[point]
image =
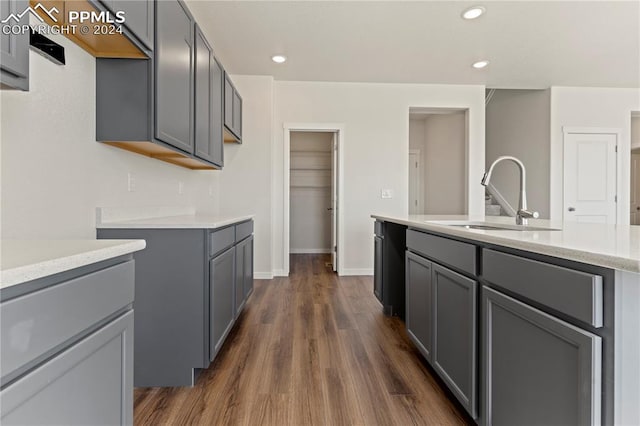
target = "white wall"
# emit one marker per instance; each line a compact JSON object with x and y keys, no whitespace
{"x":518,"y":125}
{"x":441,"y":139}
{"x":591,"y":107}
{"x":245,"y":181}
{"x":54,"y":173}
{"x":376,"y":145}
{"x":310,"y":192}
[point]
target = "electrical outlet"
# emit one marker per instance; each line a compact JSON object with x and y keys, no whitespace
{"x":131,"y":182}
{"x":180,"y":188}
{"x":386,"y":193}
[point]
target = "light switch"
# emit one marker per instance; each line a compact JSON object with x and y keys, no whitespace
{"x":386,"y":193}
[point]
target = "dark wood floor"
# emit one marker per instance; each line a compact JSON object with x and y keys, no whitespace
{"x":310,"y":349}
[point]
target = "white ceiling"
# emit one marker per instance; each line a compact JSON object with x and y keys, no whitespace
{"x":531,"y":44}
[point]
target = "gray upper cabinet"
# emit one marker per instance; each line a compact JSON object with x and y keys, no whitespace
{"x":537,"y":369}
{"x":232,"y":112}
{"x":138,"y":17}
{"x":174,"y":75}
{"x":419,"y":305}
{"x":454,"y":334}
{"x":208,"y":102}
{"x":14,"y":50}
{"x":221,"y":291}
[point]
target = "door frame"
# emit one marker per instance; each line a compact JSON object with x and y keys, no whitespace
{"x":419,"y":188}
{"x":339,"y":129}
{"x":622,"y":212}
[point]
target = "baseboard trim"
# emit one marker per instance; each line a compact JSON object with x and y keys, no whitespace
{"x":310,"y":251}
{"x":263,"y":275}
{"x":356,"y":271}
{"x":280,"y":273}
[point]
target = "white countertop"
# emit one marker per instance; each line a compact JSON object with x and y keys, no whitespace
{"x":610,"y":246}
{"x":191,"y":221}
{"x":26,"y":260}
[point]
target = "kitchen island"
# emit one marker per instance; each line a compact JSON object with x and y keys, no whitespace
{"x":66,"y":329}
{"x":540,"y":324}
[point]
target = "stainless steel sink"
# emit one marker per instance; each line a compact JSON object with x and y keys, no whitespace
{"x":490,"y":226}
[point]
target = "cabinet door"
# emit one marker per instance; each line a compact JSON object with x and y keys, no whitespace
{"x":248,"y":268}
{"x":538,"y":370}
{"x":221,"y":285}
{"x":217,"y":112}
{"x":240,"y":277}
{"x":228,"y":102}
{"x":419,"y":301}
{"x":89,"y":383}
{"x":138,"y":16}
{"x":377,"y":267}
{"x":14,"y":48}
{"x":174,"y":75}
{"x":203,"y":98}
{"x":237,"y":114}
{"x":454,"y":334}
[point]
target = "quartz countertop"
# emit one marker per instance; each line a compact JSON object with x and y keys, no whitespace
{"x":26,"y":260}
{"x":189,"y":221}
{"x":610,"y":246}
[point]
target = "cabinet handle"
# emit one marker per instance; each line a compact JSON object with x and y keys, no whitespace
{"x":571,"y":209}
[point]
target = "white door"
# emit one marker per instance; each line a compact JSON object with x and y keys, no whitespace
{"x":635,"y":189}
{"x":334,"y":203}
{"x":415,"y":206}
{"x":590,"y":177}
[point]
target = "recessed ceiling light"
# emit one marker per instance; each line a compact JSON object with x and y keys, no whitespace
{"x":480,"y":64}
{"x":278,"y":59}
{"x":473,"y":12}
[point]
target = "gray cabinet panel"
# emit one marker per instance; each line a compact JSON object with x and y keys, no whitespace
{"x":538,"y":370}
{"x":377,"y":267}
{"x":174,"y":76}
{"x":89,"y":383}
{"x":248,"y":268}
{"x":203,"y":96}
{"x":572,"y":292}
{"x":217,"y":99}
{"x":14,"y":49}
{"x":419,"y":305}
{"x":454,"y":334}
{"x":38,"y":322}
{"x":237,"y":114}
{"x":138,"y":17}
{"x":377,"y":228}
{"x":239,"y":283}
{"x":453,"y":253}
{"x":228,"y":102}
{"x":221,"y":303}
{"x":221,"y":239}
{"x":244,"y":229}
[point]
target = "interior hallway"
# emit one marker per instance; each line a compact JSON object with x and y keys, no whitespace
{"x":310,"y":349}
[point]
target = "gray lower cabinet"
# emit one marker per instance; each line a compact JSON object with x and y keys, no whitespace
{"x":248,"y":268}
{"x":208,"y":102}
{"x":419,"y":305}
{"x":138,"y":17}
{"x":377,"y":267}
{"x":14,"y":49}
{"x":174,"y":75}
{"x":454,"y":334}
{"x":221,"y":304}
{"x":537,"y":369}
{"x":244,"y":273}
{"x":67,"y":347}
{"x":89,"y":383}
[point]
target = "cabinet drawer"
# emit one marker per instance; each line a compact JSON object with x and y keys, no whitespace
{"x":449,"y":252}
{"x":36,"y":323}
{"x":575,"y":293}
{"x":221,"y":240}
{"x":243,"y":230}
{"x":377,"y":228}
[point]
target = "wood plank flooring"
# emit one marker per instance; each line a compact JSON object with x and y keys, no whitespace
{"x":310,"y":349}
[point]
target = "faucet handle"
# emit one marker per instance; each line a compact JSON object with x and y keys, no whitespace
{"x":528,"y":214}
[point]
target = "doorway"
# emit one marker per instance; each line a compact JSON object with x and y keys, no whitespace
{"x":590,"y":175}
{"x":634,"y":218}
{"x":313,"y":192}
{"x":415,"y":182}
